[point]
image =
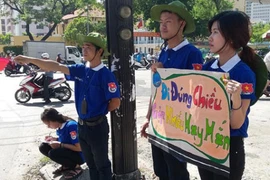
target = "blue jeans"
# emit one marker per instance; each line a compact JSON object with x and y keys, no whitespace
{"x":167,"y":167}
{"x":94,"y":144}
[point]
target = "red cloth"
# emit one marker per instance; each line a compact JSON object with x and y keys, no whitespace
{"x":140,"y":24}
{"x":3,"y":63}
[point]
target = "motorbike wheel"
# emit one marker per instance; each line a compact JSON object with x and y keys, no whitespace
{"x":7,"y":72}
{"x":22,"y":96}
{"x":66,"y":91}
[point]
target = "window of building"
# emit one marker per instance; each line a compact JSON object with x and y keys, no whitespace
{"x":23,"y":26}
{"x":3,"y":28}
{"x":40,"y":34}
{"x":40,"y":26}
{"x":2,"y":21}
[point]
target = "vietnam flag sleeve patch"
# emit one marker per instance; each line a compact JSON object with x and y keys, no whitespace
{"x":247,"y":88}
{"x":197,"y":66}
{"x":73,"y":135}
{"x":112,"y":87}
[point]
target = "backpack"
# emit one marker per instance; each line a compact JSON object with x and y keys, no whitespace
{"x":261,"y":73}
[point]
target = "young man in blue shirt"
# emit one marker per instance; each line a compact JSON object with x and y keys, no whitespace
{"x":96,"y":93}
{"x":175,"y":21}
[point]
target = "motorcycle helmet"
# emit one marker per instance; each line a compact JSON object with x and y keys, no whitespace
{"x":45,"y":56}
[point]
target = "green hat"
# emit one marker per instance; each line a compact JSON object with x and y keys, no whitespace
{"x":95,"y":39}
{"x":178,"y":8}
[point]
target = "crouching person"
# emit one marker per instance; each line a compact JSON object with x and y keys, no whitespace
{"x":64,"y":149}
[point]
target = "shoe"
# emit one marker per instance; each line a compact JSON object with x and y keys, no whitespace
{"x":47,"y":101}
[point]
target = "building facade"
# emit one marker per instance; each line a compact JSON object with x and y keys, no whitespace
{"x":258,"y":12}
{"x":18,"y":28}
{"x":95,"y":15}
{"x":238,"y":5}
{"x":147,"y":42}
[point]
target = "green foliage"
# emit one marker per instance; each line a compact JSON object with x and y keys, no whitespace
{"x":13,"y":49}
{"x":39,"y":10}
{"x":258,"y":30}
{"x":5,"y":39}
{"x":79,"y":26}
{"x":202,"y":11}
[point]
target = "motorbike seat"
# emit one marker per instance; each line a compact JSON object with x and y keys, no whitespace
{"x":39,"y":80}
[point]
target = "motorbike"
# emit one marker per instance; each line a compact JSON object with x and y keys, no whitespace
{"x":266,"y":91}
{"x":11,"y":68}
{"x":33,"y":67}
{"x":32,"y":87}
{"x":144,"y":63}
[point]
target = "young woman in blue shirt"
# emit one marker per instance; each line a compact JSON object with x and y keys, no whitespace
{"x":65,"y":148}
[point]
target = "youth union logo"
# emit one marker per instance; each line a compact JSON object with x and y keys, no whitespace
{"x":156,"y":79}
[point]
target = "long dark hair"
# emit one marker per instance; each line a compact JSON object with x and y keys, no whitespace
{"x":235,"y":28}
{"x":53,"y":115}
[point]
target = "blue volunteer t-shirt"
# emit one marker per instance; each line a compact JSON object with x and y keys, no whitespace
{"x":68,"y":133}
{"x":240,"y":72}
{"x":183,"y":56}
{"x":96,"y":85}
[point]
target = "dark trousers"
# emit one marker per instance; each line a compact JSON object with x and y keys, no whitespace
{"x":167,"y":167}
{"x":237,"y":162}
{"x":94,"y":144}
{"x":63,"y":156}
{"x":47,"y":81}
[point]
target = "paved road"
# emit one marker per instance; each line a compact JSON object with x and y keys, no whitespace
{"x":21,"y":129}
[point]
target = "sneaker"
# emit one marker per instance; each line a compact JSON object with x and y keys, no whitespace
{"x":47,"y":101}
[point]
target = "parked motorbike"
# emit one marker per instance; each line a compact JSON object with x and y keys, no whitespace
{"x":266,"y":91}
{"x":11,"y":68}
{"x":32,"y":87}
{"x":144,"y":63}
{"x":33,"y":66}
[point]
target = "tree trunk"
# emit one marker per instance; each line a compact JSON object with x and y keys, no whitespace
{"x":28,"y":32}
{"x":49,"y":33}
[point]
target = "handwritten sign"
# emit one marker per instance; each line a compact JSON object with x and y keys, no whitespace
{"x":190,"y":117}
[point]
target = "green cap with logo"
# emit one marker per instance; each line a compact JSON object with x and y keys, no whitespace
{"x":96,"y":39}
{"x":178,"y":8}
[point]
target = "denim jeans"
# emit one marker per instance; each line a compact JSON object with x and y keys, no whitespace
{"x":94,"y":144}
{"x":167,"y":167}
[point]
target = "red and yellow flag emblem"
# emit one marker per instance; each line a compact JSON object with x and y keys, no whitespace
{"x":247,"y":88}
{"x":197,"y":66}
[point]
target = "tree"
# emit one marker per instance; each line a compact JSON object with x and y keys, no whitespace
{"x":5,"y":39}
{"x":257,"y":31}
{"x":39,"y":10}
{"x":79,"y":26}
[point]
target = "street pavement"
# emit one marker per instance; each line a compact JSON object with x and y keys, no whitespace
{"x":21,"y":131}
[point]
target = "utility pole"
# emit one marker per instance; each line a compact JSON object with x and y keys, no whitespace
{"x":119,"y":18}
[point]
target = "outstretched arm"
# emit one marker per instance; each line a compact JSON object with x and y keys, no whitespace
{"x":47,"y":65}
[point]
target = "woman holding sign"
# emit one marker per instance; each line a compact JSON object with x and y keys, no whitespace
{"x":230,"y":32}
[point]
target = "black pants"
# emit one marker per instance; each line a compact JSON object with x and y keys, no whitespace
{"x":47,"y":81}
{"x":94,"y":144}
{"x":63,"y":156}
{"x":237,"y":162}
{"x":167,"y":167}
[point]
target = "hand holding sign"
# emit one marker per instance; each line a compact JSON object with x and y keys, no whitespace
{"x":154,"y":66}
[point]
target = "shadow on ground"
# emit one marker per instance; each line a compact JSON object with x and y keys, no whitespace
{"x":52,"y":104}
